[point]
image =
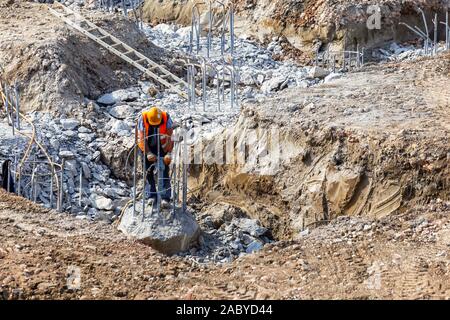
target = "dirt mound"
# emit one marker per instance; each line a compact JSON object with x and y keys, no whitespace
{"x":373,"y":143}
{"x":58,"y":67}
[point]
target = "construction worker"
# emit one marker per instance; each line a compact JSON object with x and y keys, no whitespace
{"x":149,"y":123}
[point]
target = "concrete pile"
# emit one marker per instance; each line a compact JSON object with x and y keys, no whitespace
{"x":167,"y":232}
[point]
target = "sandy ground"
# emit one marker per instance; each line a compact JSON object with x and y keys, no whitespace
{"x":399,"y":257}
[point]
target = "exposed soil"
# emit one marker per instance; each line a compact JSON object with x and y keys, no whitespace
{"x":396,"y":257}
{"x":372,"y":143}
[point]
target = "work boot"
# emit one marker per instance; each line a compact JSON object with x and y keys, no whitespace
{"x":151,"y":201}
{"x":165,"y":204}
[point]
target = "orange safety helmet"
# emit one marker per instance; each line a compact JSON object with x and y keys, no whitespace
{"x":154,"y":116}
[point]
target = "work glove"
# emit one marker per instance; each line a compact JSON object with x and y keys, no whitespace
{"x":167,"y":159}
{"x":151,"y":157}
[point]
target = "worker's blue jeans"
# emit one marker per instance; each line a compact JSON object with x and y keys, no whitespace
{"x":163,"y":184}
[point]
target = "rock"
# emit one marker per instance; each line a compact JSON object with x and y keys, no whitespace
{"x":254,"y":246}
{"x":273,"y":84}
{"x":92,"y":212}
{"x":168,"y":29}
{"x":106,"y":216}
{"x":121,"y":112}
{"x":69,"y":124}
{"x":86,"y":137}
{"x":107,"y":99}
{"x":304,"y":233}
{"x":101,"y":203}
{"x":55,"y":143}
{"x":71,"y":166}
{"x":317,"y":72}
{"x":220,"y":214}
{"x":67,"y":154}
{"x":118,"y":96}
{"x":70,"y":133}
{"x":120,"y":128}
{"x":332,"y":76}
{"x":251,"y":226}
{"x":166,"y":235}
{"x":260,"y":78}
{"x":86,"y":170}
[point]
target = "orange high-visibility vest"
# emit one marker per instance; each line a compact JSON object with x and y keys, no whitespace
{"x":165,"y":140}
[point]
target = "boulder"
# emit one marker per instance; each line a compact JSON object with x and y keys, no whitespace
{"x":101,"y":203}
{"x":118,"y":96}
{"x":120,"y":128}
{"x":273,"y":84}
{"x":250,"y":226}
{"x":121,"y":112}
{"x":254,"y":246}
{"x":69,"y":124}
{"x":317,"y":72}
{"x":332,"y":76}
{"x":66,"y":154}
{"x":163,"y":232}
{"x":222,"y":213}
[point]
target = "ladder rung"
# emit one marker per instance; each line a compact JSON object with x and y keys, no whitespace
{"x":128,"y":52}
{"x":93,"y":29}
{"x":140,"y":60}
{"x":166,"y":76}
{"x":104,"y":37}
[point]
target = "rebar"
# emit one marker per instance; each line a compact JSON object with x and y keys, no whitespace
{"x":15,"y":170}
{"x":195,"y":28}
{"x":51,"y":187}
{"x":135,"y":147}
{"x":435,"y":42}
{"x":185,"y":163}
{"x":60,"y":191}
{"x":210,"y":23}
{"x":80,"y":191}
{"x":204,"y":91}
{"x":124,"y":8}
{"x":447,"y":31}
{"x":158,"y":171}
{"x":16,"y":93}
{"x":8,"y":176}
{"x":144,"y":175}
{"x":232,"y":28}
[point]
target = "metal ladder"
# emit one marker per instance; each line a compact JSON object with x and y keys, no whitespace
{"x":120,"y":49}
